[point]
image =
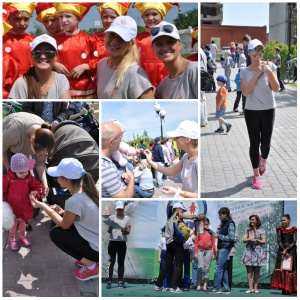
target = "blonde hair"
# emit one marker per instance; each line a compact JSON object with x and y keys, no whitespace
{"x":130,"y":57}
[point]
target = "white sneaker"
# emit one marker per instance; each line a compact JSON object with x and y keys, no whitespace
{"x":158,"y":288}
{"x":178,"y":290}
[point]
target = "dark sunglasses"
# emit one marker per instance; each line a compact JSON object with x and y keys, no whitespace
{"x":261,"y":51}
{"x":49,"y":54}
{"x":165,"y":28}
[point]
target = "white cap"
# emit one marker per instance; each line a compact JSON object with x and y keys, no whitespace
{"x":174,"y":34}
{"x":179,"y":205}
{"x":70,"y":168}
{"x":125,"y":27}
{"x":44,"y":38}
{"x":254,"y":43}
{"x":119,"y":205}
{"x":189,"y":129}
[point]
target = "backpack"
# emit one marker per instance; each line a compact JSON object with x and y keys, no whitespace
{"x":205,"y":79}
{"x":181,"y":230}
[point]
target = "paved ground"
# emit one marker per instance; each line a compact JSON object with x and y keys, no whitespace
{"x":225,"y":165}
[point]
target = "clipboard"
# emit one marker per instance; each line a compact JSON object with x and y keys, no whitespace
{"x":113,"y":224}
{"x":286,"y":263}
{"x":199,"y":226}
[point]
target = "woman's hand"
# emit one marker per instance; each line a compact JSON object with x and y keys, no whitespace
{"x":266,"y":68}
{"x":57,"y":209}
{"x":34,"y":202}
{"x":169,"y":190}
{"x":45,"y":189}
{"x":83,"y":111}
{"x":91,"y":111}
{"x":148,"y":154}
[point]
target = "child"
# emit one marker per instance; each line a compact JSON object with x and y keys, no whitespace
{"x":221,"y":104}
{"x":226,"y":65}
{"x":205,"y":250}
{"x":239,"y":94}
{"x":162,"y":256}
{"x":18,"y":186}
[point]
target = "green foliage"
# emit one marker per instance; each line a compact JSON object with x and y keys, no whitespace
{"x":38,"y":29}
{"x":184,"y":20}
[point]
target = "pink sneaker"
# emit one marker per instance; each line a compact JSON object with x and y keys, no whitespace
{"x":256,"y":182}
{"x":86,"y":274}
{"x":13,"y":246}
{"x":24,"y":240}
{"x":261,"y":167}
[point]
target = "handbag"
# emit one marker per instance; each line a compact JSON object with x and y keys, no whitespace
{"x":91,"y":121}
{"x":286,"y":263}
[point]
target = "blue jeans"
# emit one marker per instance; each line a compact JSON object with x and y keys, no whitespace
{"x":185,"y":282}
{"x":227,"y":74}
{"x":143,"y":194}
{"x":167,"y":280}
{"x":195,"y":271}
{"x":221,"y":274}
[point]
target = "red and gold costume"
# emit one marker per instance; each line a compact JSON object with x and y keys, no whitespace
{"x":77,"y":49}
{"x":154,"y":67}
{"x":194,"y":34}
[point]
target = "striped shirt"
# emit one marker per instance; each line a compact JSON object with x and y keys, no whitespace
{"x":111,"y":179}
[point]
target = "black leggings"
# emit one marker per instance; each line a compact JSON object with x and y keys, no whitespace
{"x":115,"y":248}
{"x":260,"y":125}
{"x":174,"y":250}
{"x":69,"y":241}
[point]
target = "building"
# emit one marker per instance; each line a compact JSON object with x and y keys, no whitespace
{"x":211,"y":13}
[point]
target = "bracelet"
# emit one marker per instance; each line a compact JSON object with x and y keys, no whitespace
{"x":51,"y":213}
{"x":184,"y":194}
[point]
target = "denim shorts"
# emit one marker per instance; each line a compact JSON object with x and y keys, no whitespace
{"x":220,"y":113}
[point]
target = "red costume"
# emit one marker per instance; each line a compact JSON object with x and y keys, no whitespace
{"x":100,"y":50}
{"x":74,"y":50}
{"x":16,"y":192}
{"x":193,"y":57}
{"x":154,"y":67}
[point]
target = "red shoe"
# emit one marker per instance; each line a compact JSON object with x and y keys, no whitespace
{"x":261,"y":167}
{"x":256,"y":182}
{"x":13,"y":246}
{"x":86,"y":274}
{"x":24,"y":240}
{"x":79,"y":263}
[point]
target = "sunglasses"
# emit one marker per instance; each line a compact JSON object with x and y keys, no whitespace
{"x":49,"y":54}
{"x":165,"y":28}
{"x":261,"y":51}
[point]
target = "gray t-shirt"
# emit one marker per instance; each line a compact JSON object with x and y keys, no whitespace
{"x":134,"y":84}
{"x":58,"y":88}
{"x":262,"y":97}
{"x":189,"y":174}
{"x":117,"y":234}
{"x":170,"y":230}
{"x":184,"y":86}
{"x":87,"y":220}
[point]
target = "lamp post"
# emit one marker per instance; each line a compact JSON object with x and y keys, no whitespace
{"x":161,"y":112}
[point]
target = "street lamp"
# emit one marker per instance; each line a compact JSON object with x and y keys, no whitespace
{"x":161,"y":112}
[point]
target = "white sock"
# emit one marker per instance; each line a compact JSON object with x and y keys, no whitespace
{"x":92,"y":267}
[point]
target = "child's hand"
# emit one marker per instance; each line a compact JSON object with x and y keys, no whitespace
{"x":32,"y":194}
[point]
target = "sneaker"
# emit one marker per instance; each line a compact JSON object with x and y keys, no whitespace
{"x":236,"y":110}
{"x":215,"y":291}
{"x":79,"y":263}
{"x":261,"y":167}
{"x":24,"y":240}
{"x":108,"y":285}
{"x":281,"y":90}
{"x":249,"y":291}
{"x":164,"y":289}
{"x":86,"y":274}
{"x":177,"y":291}
{"x":158,"y":288}
{"x":256,"y":182}
{"x":13,"y":246}
{"x":226,"y":291}
{"x":219,"y":130}
{"x":228,"y":127}
{"x":121,"y":285}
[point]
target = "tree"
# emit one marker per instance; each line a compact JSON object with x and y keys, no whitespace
{"x":38,"y":29}
{"x":184,"y":20}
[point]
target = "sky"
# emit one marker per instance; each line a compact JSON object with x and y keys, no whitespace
{"x":246,"y":14}
{"x":93,"y":15}
{"x":137,"y":116}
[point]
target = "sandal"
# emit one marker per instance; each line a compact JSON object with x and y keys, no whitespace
{"x":198,"y":288}
{"x":249,"y":291}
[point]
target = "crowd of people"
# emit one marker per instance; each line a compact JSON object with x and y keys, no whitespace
{"x":115,"y":63}
{"x":30,"y":142}
{"x":121,"y":180}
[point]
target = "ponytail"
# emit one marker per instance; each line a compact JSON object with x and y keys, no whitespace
{"x":89,"y":187}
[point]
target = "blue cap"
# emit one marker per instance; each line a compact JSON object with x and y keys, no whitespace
{"x":221,"y":78}
{"x":157,"y":139}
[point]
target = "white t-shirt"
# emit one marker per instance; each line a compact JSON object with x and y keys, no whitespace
{"x":87,"y":220}
{"x":134,"y":84}
{"x":162,"y":243}
{"x":117,"y":234}
{"x":184,"y":86}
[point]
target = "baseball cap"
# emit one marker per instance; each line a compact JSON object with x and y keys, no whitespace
{"x":221,"y":78}
{"x":254,"y":43}
{"x":125,"y":27}
{"x":70,"y":168}
{"x":119,"y":205}
{"x":189,"y":129}
{"x":179,"y":205}
{"x":44,"y":38}
{"x":164,"y":28}
{"x":157,"y":139}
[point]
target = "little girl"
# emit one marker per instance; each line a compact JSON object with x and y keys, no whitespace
{"x":205,"y":250}
{"x":18,"y":186}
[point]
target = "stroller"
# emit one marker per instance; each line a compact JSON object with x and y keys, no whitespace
{"x":71,"y":140}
